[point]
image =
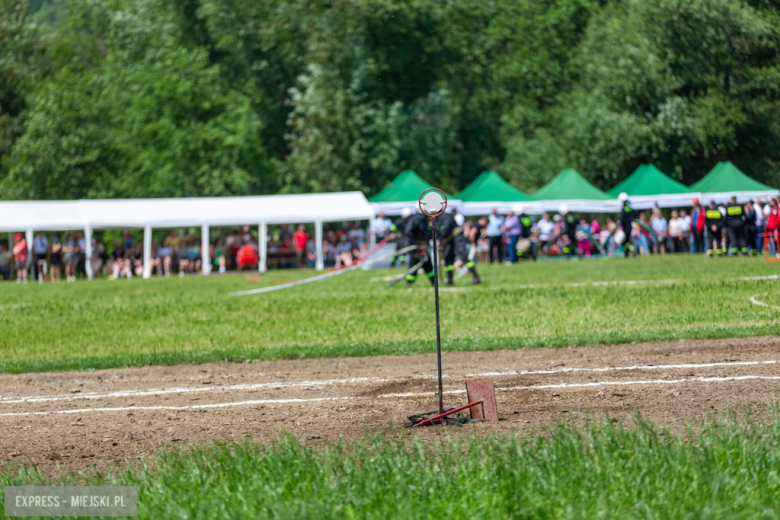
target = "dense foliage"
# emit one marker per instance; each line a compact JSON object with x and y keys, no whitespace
{"x":123,"y":98}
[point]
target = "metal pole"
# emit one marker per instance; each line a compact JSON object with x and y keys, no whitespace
{"x":436,"y":298}
{"x":319,"y":264}
{"x":262,"y":246}
{"x":148,"y":252}
{"x":88,"y":252}
{"x":205,"y":243}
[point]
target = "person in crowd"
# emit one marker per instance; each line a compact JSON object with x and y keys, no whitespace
{"x":219,"y":256}
{"x":300,"y":238}
{"x":195,"y":256}
{"x":136,"y":259}
{"x":56,"y":259}
{"x":380,"y":227}
{"x":607,"y":239}
{"x":698,"y":227}
{"x":397,"y":230}
{"x":81,"y":266}
{"x":183,"y":258}
{"x":6,"y":257}
{"x":494,"y":231}
{"x":583,"y":239}
{"x":128,"y":241}
{"x":735,"y":227}
{"x":511,"y":230}
{"x":760,"y":222}
{"x":286,"y":251}
{"x":627,"y":216}
{"x":155,"y":260}
{"x":70,"y":250}
{"x":546,"y":228}
{"x":119,"y":261}
{"x":750,"y":226}
{"x":685,"y":230}
{"x":483,"y":243}
{"x":166,"y":255}
{"x":284,"y":233}
{"x":714,"y":223}
{"x":311,"y":252}
{"x":343,"y":252}
{"x":40,"y":247}
{"x":356,"y":234}
{"x":675,"y":233}
{"x":569,"y":230}
{"x":639,"y":239}
{"x":772,"y":214}
{"x":659,"y":225}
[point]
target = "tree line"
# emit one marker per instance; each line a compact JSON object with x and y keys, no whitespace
{"x":152,"y":98}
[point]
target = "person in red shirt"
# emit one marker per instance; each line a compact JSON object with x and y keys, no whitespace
{"x":20,"y":258}
{"x":697,"y":226}
{"x":300,"y":238}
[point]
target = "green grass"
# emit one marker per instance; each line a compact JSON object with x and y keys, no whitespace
{"x":726,"y":469}
{"x":122,"y":323}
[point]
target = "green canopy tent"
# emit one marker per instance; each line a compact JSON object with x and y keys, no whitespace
{"x":648,"y":186}
{"x":726,"y":180}
{"x":489,"y":191}
{"x":403,"y":192}
{"x":571,"y":188}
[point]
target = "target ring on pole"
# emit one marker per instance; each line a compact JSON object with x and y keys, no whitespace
{"x":432,"y":202}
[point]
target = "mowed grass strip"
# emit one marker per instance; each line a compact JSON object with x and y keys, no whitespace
{"x":726,"y":469}
{"x":106,"y":324}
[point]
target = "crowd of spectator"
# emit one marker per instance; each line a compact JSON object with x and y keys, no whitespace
{"x":495,"y":237}
{"x":178,"y":253}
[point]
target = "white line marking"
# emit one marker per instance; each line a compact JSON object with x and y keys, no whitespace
{"x":191,"y":407}
{"x":182,"y":390}
{"x":754,"y":301}
{"x":426,"y":394}
{"x":634,"y":367}
{"x":605,"y":383}
{"x":751,"y":278}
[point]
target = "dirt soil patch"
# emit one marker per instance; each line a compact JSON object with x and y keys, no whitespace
{"x":101,"y":417}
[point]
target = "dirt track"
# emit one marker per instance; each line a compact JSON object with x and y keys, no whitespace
{"x":98,"y":418}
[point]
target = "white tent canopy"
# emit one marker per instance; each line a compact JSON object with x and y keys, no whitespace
{"x":185,"y":212}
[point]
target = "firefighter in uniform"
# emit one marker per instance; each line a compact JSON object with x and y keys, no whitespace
{"x":713,"y":222}
{"x":627,"y":216}
{"x":526,"y":229}
{"x":735,"y":227}
{"x":397,"y":228}
{"x":459,"y":255}
{"x":418,"y":232}
{"x":750,"y":226}
{"x":569,"y":229}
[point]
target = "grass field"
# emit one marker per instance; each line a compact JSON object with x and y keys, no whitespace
{"x":727,"y":469}
{"x":121,"y":323}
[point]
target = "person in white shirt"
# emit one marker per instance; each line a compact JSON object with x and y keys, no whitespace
{"x":675,"y":231}
{"x":546,"y":228}
{"x":380,"y":227}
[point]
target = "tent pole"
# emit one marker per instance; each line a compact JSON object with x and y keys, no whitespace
{"x":262,"y":247}
{"x":29,"y":238}
{"x":147,"y":252}
{"x":371,"y":235}
{"x":204,"y":253}
{"x":88,"y":254}
{"x":319,"y":264}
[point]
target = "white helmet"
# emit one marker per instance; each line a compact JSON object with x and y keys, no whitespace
{"x":406,"y":212}
{"x":518,"y":208}
{"x":623,"y":197}
{"x":620,"y":237}
{"x":563,"y":209}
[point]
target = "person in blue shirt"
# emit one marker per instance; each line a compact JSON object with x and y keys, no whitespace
{"x":494,"y":233}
